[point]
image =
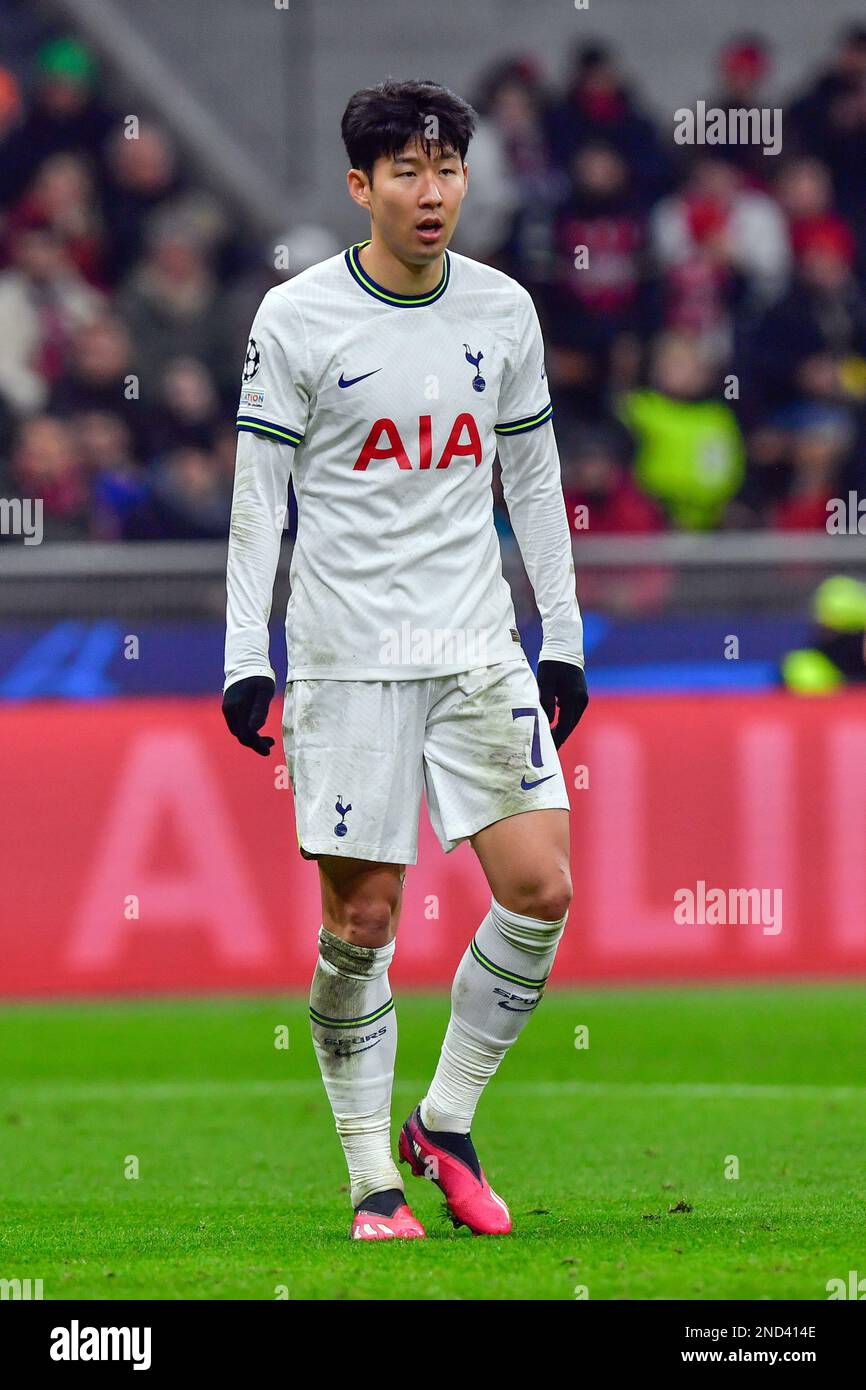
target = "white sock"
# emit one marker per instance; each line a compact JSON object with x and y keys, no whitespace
{"x":354,"y":1031}
{"x":499,"y":982}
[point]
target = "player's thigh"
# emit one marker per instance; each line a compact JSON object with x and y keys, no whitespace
{"x":361,"y":899}
{"x":489,"y":755}
{"x":525,"y":859}
{"x":354,"y":754}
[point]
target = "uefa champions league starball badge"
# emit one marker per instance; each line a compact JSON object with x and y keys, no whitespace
{"x":252,"y":361}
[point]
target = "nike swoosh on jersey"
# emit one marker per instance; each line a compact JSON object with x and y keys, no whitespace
{"x":343,"y":382}
{"x":527,"y":786}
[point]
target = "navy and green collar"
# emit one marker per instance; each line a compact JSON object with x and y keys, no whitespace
{"x":402,"y":301}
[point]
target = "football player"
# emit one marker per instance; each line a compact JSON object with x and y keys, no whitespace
{"x":384,"y":381}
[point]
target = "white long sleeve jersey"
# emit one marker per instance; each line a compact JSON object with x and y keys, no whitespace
{"x":387,"y":410}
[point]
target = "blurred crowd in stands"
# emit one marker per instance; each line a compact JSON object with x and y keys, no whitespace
{"x":706,"y":353}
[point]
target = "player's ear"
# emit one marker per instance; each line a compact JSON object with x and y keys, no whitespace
{"x":358,"y":186}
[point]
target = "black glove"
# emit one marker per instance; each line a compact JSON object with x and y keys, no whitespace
{"x":560,"y":683}
{"x":245,"y":706}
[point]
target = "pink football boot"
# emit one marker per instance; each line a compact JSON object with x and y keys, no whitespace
{"x":375,"y":1225}
{"x":450,"y":1161}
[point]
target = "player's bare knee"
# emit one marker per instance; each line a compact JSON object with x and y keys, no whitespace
{"x":361,"y":902}
{"x":551,"y":905}
{"x":547,"y":895}
{"x":369,"y":924}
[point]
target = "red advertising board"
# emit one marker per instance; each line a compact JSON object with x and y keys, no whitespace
{"x":713,"y":837}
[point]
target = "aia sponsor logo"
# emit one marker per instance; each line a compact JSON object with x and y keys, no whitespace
{"x":384,"y":441}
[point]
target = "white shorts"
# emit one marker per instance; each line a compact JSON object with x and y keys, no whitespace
{"x":359,"y":754}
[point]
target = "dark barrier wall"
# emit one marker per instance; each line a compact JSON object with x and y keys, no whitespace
{"x":144,"y":851}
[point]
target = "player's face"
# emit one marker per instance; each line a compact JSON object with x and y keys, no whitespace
{"x":412,"y":189}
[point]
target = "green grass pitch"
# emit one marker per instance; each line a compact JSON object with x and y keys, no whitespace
{"x":241,"y":1189}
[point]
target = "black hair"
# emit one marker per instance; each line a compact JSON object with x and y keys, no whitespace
{"x":511,"y":71}
{"x":383,"y":120}
{"x":591,"y":55}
